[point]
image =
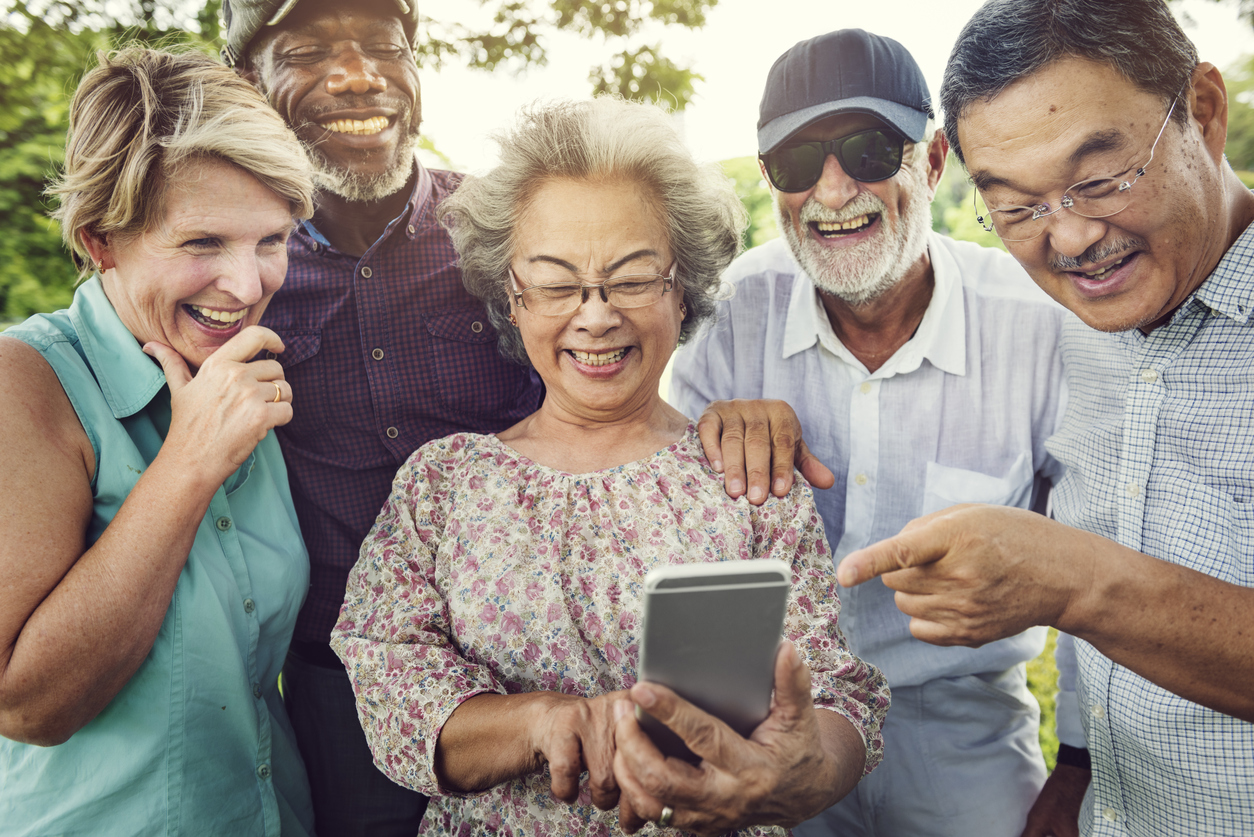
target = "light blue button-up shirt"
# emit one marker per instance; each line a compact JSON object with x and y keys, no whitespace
{"x":198,"y":741}
{"x":959,"y":414}
{"x":1158,"y":441}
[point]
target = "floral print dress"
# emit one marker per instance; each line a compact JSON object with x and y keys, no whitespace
{"x":486,"y":572}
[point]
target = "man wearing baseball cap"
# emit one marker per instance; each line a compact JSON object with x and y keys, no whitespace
{"x":925,"y":371}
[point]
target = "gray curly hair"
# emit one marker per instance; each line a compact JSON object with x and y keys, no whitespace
{"x":600,"y":139}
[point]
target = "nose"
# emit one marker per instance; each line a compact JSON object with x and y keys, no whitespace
{"x":356,"y":74}
{"x":835,"y":188}
{"x":1071,"y":234}
{"x":595,"y":315}
{"x":242,"y":279}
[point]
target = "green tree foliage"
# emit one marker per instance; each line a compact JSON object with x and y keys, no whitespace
{"x":756,"y":196}
{"x":48,"y":44}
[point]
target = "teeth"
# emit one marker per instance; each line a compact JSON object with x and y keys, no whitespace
{"x":225,"y":318}
{"x":373,"y":125}
{"x":592,"y":359}
{"x":841,"y":226}
{"x":1102,"y":274}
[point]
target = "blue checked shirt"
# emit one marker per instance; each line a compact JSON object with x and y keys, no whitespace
{"x":384,"y":353}
{"x":1158,"y":442}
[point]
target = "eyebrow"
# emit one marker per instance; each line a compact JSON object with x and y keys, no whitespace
{"x":1096,"y":143}
{"x":630,"y":257}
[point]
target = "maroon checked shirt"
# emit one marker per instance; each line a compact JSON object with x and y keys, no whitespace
{"x":384,"y":353}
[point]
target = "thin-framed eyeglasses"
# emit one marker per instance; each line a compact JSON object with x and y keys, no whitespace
{"x":1097,"y":197}
{"x":556,"y":299}
{"x":867,"y":156}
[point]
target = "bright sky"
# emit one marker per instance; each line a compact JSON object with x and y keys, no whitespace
{"x":733,"y":52}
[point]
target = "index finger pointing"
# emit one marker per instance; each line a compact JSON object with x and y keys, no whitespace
{"x":909,"y":549}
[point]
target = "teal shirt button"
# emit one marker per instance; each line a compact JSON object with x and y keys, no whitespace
{"x":249,"y":605}
{"x":257,"y":690}
{"x":224,"y":523}
{"x":264,"y":771}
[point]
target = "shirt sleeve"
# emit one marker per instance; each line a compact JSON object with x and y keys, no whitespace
{"x":790,"y":529}
{"x":702,"y":369}
{"x":394,"y":631}
{"x":1067,"y":706}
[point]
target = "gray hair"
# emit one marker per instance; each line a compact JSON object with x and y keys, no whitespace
{"x":601,"y":139}
{"x":140,"y":116}
{"x":1007,"y":40}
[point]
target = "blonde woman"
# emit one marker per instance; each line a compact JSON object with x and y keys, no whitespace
{"x":150,"y":559}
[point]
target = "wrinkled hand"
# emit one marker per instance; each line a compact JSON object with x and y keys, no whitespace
{"x":779,"y":775}
{"x":575,"y":734}
{"x":763,"y":436}
{"x":969,"y":575}
{"x":1056,"y":812}
{"x":218,"y":416}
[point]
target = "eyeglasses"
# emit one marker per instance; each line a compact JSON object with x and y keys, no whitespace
{"x":555,"y":299}
{"x":867,"y":156}
{"x":1097,"y":197}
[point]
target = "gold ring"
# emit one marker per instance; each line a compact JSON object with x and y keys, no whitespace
{"x":278,"y":392}
{"x":664,"y":819}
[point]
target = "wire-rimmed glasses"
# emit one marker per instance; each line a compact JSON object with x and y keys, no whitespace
{"x":1097,"y":197}
{"x":556,"y":299}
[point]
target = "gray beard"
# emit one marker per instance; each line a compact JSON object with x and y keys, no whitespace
{"x":357,"y":188}
{"x":861,"y":275}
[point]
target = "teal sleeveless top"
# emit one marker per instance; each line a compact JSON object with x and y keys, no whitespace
{"x":197,"y":743}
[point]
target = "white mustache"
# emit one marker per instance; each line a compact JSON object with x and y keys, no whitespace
{"x":864,"y":203}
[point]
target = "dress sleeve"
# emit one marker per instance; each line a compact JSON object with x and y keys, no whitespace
{"x":394,"y":632}
{"x":790,"y":529}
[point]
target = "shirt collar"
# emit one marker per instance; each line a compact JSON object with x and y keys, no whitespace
{"x":412,"y":214}
{"x":128,"y":378}
{"x":1229,"y":290}
{"x":941,"y":337}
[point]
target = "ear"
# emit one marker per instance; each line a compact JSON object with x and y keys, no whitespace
{"x":1207,"y":100}
{"x":97,"y":248}
{"x":937,"y":154}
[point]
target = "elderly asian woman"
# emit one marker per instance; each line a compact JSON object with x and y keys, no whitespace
{"x":151,"y":563}
{"x":490,"y":626}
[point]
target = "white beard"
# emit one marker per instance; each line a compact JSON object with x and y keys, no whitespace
{"x":359,"y":188}
{"x":859,"y":275}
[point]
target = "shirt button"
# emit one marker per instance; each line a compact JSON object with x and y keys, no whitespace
{"x":366,"y":273}
{"x":1149,"y":376}
{"x":264,"y":771}
{"x":271,"y":356}
{"x":865,"y":388}
{"x":393,"y":432}
{"x":313,"y":246}
{"x":224,"y":523}
{"x":1110,"y":815}
{"x":476,"y":326}
{"x":249,"y":605}
{"x":257,"y":690}
{"x":410,"y":228}
{"x":1133,"y":489}
{"x":1097,"y":711}
{"x":377,"y":354}
{"x":860,"y":479}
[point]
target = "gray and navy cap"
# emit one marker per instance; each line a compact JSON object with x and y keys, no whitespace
{"x":245,"y":18}
{"x":849,"y":71}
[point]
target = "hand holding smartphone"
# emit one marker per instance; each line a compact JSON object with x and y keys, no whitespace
{"x":711,"y":632}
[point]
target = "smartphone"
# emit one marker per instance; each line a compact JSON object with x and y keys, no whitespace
{"x":711,"y":633}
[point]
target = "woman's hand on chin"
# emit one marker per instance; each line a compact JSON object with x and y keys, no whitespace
{"x":796,"y":763}
{"x":575,"y":734}
{"x":218,"y":416}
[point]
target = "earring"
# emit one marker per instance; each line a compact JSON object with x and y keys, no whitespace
{"x":100,"y":266}
{"x":683,"y":310}
{"x":513,"y":321}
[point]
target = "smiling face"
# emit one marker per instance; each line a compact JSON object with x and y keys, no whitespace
{"x":599,"y":363}
{"x":1074,"y":120}
{"x":208,"y":268}
{"x":856,"y":240}
{"x":343,"y":76}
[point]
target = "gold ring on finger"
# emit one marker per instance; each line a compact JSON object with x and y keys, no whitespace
{"x":664,"y":819}
{"x":278,"y":392}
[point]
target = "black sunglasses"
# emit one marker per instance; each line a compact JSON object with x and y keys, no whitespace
{"x":866,"y":156}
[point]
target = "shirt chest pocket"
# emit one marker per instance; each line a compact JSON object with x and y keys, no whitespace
{"x":947,"y":486}
{"x":303,"y":370}
{"x":472,"y":377}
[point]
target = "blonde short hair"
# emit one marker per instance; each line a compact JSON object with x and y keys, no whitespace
{"x":140,"y":117}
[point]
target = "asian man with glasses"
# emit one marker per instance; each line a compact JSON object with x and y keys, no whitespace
{"x":925,"y":372}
